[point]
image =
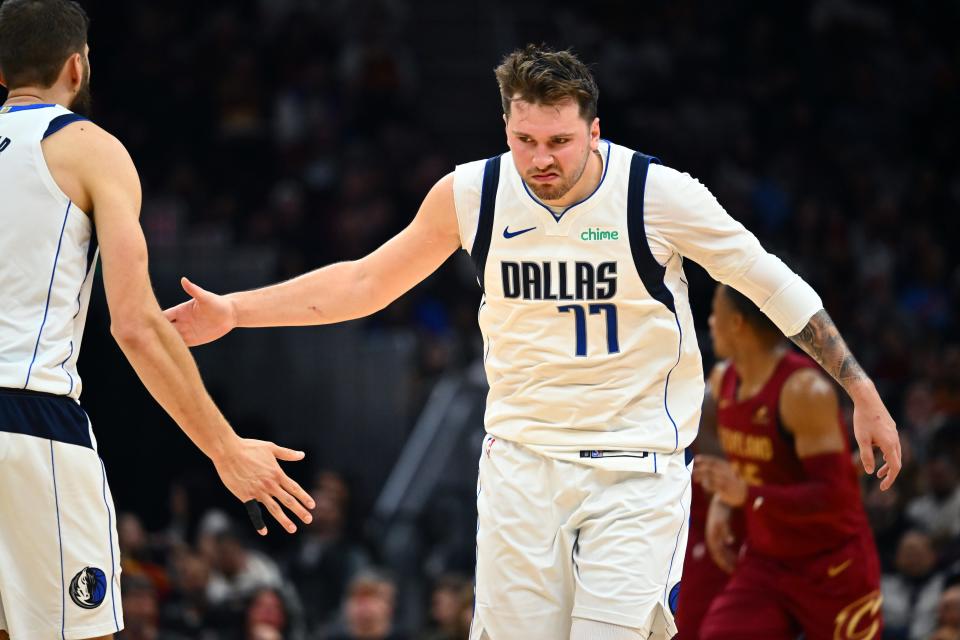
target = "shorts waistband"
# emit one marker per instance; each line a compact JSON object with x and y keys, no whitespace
{"x":7,"y":391}
{"x":44,"y":415}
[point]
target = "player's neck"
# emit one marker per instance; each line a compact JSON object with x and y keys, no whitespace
{"x":755,"y":365}
{"x":34,"y":95}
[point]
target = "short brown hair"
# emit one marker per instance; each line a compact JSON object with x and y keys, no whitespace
{"x":36,"y":39}
{"x":540,"y":75}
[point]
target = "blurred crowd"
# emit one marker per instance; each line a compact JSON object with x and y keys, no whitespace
{"x":829,"y":128}
{"x":206,"y":579}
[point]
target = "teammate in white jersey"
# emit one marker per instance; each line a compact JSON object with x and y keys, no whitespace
{"x":595,"y":376}
{"x":68,"y":186}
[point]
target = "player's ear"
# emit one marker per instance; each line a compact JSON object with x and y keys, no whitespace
{"x":595,"y":134}
{"x":74,"y":70}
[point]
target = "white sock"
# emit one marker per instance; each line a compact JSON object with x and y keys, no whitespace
{"x":583,"y":629}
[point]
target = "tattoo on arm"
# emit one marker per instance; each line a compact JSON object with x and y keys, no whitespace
{"x":821,"y":339}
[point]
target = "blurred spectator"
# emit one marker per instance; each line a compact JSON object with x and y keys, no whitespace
{"x":452,"y":595}
{"x":141,"y":611}
{"x":937,"y":511}
{"x":239,"y":571}
{"x":945,"y":633}
{"x":136,"y":554}
{"x":911,"y":596}
{"x":325,"y":559}
{"x":267,"y":618}
{"x":188,"y":612}
{"x":368,"y":610}
{"x":948,"y":612}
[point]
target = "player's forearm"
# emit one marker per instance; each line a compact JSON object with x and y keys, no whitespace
{"x":331,"y":294}
{"x":169,"y":373}
{"x":822,"y":340}
{"x":827,"y":487}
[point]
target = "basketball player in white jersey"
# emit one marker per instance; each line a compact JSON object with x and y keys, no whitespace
{"x":590,"y":351}
{"x":68,"y":187}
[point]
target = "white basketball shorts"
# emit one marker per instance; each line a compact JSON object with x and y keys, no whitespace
{"x":558,"y":539}
{"x":59,"y":559}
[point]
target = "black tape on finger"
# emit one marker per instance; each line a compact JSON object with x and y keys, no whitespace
{"x":256,"y":515}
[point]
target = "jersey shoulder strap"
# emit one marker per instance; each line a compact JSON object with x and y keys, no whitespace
{"x":650,"y":271}
{"x":488,"y":201}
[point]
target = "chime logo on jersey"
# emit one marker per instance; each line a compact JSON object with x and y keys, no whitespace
{"x":559,"y":280}
{"x":595,"y":234}
{"x":88,"y":588}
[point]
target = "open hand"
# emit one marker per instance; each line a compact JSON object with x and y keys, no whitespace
{"x":204,"y":318}
{"x":249,"y":469}
{"x":873,"y":427}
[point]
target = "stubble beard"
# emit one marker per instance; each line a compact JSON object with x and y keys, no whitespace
{"x":83,"y":102}
{"x":551,"y":192}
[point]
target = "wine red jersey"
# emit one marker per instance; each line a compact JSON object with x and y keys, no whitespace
{"x":755,"y":441}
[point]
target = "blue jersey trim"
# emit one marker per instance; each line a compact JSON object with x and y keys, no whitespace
{"x":674,"y":598}
{"x":558,"y":216}
{"x":56,"y":418}
{"x":60,"y":122}
{"x":25,"y":107}
{"x":666,"y":386}
{"x":676,"y":545}
{"x":113,"y":596}
{"x":70,"y":390}
{"x":63,"y":594}
{"x":46,"y":309}
{"x":650,"y":271}
{"x":488,"y":203}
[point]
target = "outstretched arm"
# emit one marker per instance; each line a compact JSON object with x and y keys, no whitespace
{"x":339,"y":292}
{"x":108,"y":187}
{"x":872,"y":424}
{"x":691,"y":221}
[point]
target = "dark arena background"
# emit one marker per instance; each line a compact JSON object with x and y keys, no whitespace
{"x":277,"y":136}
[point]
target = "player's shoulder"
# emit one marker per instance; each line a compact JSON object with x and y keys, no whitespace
{"x":469,"y":175}
{"x":807,"y":387}
{"x":88,"y":143}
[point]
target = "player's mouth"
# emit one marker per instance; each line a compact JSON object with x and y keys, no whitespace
{"x":545,"y":177}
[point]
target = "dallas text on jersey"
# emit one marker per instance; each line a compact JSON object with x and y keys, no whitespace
{"x":559,"y":281}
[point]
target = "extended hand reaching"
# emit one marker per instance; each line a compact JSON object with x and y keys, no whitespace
{"x":204,"y":318}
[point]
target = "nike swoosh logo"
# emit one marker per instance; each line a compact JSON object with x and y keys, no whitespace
{"x":837,"y":570}
{"x":513,"y":234}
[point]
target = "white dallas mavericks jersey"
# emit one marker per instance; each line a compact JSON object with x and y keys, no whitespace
{"x":590,"y":347}
{"x":48,"y":250}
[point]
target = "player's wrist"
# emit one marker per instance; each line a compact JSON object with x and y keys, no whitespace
{"x":233,"y":308}
{"x":862,"y":390}
{"x":224,"y":447}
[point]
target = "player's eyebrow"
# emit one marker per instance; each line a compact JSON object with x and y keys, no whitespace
{"x":519,"y":133}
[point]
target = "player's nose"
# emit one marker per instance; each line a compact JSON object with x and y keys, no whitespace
{"x":542,"y":159}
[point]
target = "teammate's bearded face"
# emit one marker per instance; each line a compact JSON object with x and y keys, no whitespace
{"x":83,"y":101}
{"x":551,"y":145}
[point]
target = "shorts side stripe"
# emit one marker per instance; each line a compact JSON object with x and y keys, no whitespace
{"x":113,"y":596}
{"x":56,"y":501}
{"x":683,"y":523}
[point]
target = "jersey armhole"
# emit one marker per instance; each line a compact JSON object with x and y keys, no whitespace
{"x":43,"y":169}
{"x":60,"y":122}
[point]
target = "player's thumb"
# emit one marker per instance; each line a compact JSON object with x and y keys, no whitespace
{"x":192,"y":290}
{"x":866,"y":455}
{"x":290,"y":455}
